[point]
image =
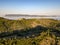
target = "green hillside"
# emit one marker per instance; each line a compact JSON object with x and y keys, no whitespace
{"x":6,"y":24}
{"x":29,"y":32}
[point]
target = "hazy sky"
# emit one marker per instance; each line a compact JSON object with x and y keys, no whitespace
{"x":40,"y":7}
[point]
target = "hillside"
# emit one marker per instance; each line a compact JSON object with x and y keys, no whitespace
{"x":6,"y":24}
{"x":29,"y":32}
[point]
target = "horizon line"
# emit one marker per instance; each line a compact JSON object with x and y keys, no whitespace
{"x":28,"y":15}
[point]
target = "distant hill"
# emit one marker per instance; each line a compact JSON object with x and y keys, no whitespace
{"x":26,"y":15}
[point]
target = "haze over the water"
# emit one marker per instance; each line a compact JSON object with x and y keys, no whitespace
{"x":35,"y":7}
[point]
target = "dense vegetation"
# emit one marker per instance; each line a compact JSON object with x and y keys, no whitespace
{"x":29,"y":32}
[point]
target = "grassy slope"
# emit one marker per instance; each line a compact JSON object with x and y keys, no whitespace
{"x":6,"y":24}
{"x":47,"y":37}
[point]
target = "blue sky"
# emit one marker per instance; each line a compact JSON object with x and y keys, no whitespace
{"x":39,"y":7}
